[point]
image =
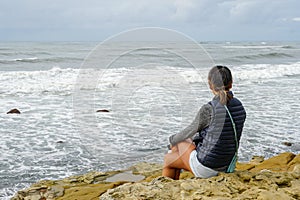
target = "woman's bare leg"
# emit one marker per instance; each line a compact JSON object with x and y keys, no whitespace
{"x":177,"y":174}
{"x":174,"y":173}
{"x":184,"y":149}
{"x":178,"y":160}
{"x":171,"y":160}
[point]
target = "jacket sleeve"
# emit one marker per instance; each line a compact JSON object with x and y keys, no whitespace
{"x":201,"y":121}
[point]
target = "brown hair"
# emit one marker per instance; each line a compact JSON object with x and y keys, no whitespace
{"x":220,"y":81}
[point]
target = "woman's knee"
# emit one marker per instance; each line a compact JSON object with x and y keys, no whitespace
{"x":169,"y":158}
{"x":173,"y":160}
{"x":186,"y":148}
{"x":166,"y":157}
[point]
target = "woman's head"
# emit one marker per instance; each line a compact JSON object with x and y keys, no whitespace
{"x":220,"y":82}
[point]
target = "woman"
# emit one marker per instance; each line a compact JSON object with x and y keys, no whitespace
{"x":217,"y":139}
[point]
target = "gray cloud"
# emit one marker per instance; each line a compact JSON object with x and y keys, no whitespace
{"x":202,"y":19}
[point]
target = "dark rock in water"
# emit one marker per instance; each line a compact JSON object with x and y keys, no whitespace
{"x":60,"y":142}
{"x":14,"y":111}
{"x":102,"y":110}
{"x":287,"y":144}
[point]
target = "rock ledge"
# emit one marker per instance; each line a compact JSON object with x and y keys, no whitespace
{"x":275,"y":178}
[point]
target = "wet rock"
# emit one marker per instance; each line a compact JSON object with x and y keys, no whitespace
{"x":14,"y":111}
{"x":102,"y":110}
{"x":287,"y":144}
{"x":125,"y":176}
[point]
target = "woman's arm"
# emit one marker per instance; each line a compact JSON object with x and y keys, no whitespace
{"x":201,"y":120}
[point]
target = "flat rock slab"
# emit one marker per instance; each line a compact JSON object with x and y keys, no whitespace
{"x":125,"y":176}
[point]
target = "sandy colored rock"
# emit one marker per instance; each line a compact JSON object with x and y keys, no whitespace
{"x":87,"y":192}
{"x":240,"y":185}
{"x":256,"y":160}
{"x":244,"y":166}
{"x":90,"y":177}
{"x":275,"y":178}
{"x":185,"y":175}
{"x":276,"y":163}
{"x":55,"y":191}
{"x":86,"y":186}
{"x":296,"y":171}
{"x":273,"y":195}
{"x":294,"y":162}
{"x":146,"y":169}
{"x":294,"y":189}
{"x":33,"y":197}
{"x":269,"y":180}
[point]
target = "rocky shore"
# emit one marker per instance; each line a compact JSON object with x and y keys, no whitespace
{"x":274,"y":178}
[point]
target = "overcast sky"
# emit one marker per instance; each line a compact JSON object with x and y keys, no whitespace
{"x":95,"y":20}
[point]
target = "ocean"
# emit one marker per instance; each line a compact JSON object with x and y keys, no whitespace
{"x":150,"y":95}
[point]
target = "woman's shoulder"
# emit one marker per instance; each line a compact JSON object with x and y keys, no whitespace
{"x":206,"y":108}
{"x":235,"y":100}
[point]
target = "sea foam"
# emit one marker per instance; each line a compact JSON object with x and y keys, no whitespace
{"x":62,"y":81}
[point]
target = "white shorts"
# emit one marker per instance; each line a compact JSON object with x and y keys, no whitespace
{"x":198,"y":169}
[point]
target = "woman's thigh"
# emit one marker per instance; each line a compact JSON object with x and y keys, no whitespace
{"x":180,"y":159}
{"x":184,"y":151}
{"x":173,"y":160}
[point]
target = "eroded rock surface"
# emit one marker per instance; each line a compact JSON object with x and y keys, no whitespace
{"x":274,"y":178}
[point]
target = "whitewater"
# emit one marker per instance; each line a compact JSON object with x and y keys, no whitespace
{"x":52,"y":139}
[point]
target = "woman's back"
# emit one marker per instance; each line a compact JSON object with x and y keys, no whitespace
{"x":218,"y":146}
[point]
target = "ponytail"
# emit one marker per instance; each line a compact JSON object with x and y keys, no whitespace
{"x":220,"y":81}
{"x":223,"y":97}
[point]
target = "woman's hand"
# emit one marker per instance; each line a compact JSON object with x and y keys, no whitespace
{"x":174,"y":148}
{"x":189,"y":140}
